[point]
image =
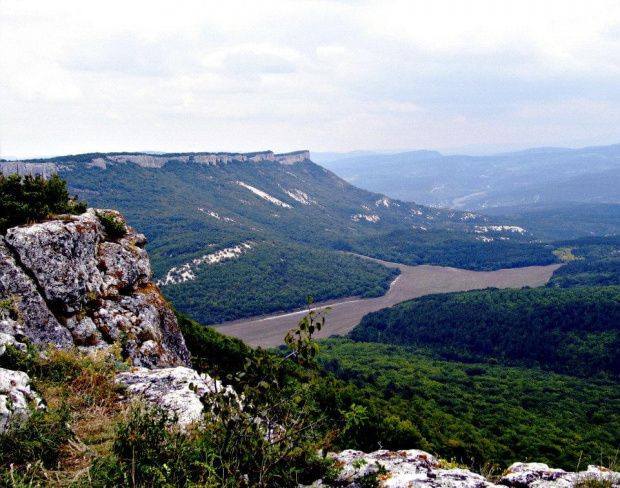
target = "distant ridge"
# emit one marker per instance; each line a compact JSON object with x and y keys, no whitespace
{"x":46,"y":167}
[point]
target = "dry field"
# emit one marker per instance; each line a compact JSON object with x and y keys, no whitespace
{"x":413,"y":282}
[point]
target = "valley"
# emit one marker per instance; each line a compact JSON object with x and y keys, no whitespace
{"x":413,"y":282}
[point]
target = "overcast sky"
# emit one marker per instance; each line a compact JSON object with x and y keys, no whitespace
{"x":83,"y":76}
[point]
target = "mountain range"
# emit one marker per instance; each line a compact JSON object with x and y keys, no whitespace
{"x":540,"y":176}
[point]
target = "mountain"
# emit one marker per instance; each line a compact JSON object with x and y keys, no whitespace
{"x":234,"y":235}
{"x":477,"y":183}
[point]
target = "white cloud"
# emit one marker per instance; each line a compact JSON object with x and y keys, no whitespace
{"x":289,"y":74}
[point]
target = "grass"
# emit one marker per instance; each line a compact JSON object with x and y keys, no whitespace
{"x":56,"y":447}
{"x":565,"y":254}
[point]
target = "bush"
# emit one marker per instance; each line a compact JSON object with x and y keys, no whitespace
{"x":27,"y":199}
{"x":114,"y":227}
{"x":268,"y":434}
{"x":40,"y":438}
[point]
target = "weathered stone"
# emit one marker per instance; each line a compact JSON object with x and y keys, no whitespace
{"x":124,"y":264}
{"x":418,"y":469}
{"x":61,"y":257}
{"x":396,"y":469}
{"x":32,"y":318}
{"x":16,"y":398}
{"x":155,"y":321}
{"x":169,"y":389}
{"x":73,"y":285}
{"x":9,"y":340}
{"x":524,"y":474}
{"x":84,"y":332}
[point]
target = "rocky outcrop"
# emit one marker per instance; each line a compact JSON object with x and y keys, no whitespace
{"x":419,"y":469}
{"x":44,"y":170}
{"x":293,"y":157}
{"x":169,"y":389}
{"x":17,"y":400}
{"x":154,"y":161}
{"x":68,"y":282}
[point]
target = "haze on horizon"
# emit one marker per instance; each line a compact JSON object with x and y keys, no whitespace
{"x":319,"y":75}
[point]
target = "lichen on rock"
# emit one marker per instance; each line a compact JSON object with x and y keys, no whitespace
{"x":75,"y":285}
{"x":169,"y":389}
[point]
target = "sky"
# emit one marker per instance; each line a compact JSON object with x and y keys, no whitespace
{"x":86,"y":76}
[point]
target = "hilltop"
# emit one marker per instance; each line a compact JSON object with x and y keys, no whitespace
{"x":236,"y":235}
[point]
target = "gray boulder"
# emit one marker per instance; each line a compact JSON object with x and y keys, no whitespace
{"x":17,"y":400}
{"x":169,"y":389}
{"x":67,"y":282}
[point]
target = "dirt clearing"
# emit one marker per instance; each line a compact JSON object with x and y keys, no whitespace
{"x":413,"y":282}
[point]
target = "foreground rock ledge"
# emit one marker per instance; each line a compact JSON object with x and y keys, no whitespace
{"x":414,"y":468}
{"x":70,"y":283}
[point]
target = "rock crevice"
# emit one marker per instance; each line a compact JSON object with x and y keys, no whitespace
{"x":70,"y":284}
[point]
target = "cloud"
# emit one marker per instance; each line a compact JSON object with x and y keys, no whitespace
{"x":386,"y":74}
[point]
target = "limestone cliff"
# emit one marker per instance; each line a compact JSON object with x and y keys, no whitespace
{"x":68,"y":282}
{"x":102,"y":161}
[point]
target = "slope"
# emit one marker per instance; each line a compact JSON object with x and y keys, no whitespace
{"x":263,"y":229}
{"x":476,"y":183}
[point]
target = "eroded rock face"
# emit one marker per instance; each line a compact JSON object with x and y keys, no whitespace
{"x":16,"y":398}
{"x":68,"y":282}
{"x":419,"y":469}
{"x":31,"y":317}
{"x":169,"y":389}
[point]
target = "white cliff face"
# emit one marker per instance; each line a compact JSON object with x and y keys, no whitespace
{"x":70,"y":284}
{"x":157,"y":161}
{"x":186,"y":272}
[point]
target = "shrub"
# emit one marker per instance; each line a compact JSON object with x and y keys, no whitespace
{"x":32,"y":199}
{"x":114,"y":227}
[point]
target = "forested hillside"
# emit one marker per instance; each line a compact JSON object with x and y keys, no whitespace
{"x":232,"y":235}
{"x":483,"y":415}
{"x":590,"y":261}
{"x":573,"y":331}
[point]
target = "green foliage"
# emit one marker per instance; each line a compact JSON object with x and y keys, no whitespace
{"x":268,"y":433}
{"x":275,"y":277}
{"x":27,"y":199}
{"x":70,"y":382}
{"x":596,"y":263}
{"x":456,"y":249}
{"x":213,"y":353}
{"x":149,"y":450}
{"x":573,"y":331}
{"x":475,"y":414}
{"x":40,"y":438}
{"x":113,"y":226}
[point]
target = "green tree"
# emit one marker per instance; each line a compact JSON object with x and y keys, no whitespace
{"x":32,"y":199}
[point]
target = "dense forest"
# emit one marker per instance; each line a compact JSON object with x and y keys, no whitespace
{"x":478,"y":413}
{"x":475,"y":413}
{"x":574,"y":331}
{"x":591,"y":261}
{"x":459,"y":250}
{"x":276,"y":277}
